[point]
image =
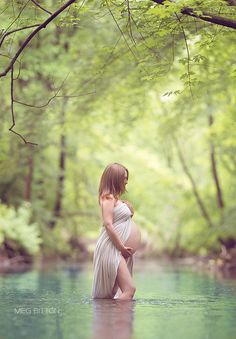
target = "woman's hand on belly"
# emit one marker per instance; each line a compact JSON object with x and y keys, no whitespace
{"x":127,"y":252}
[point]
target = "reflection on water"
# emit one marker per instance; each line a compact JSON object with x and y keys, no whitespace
{"x":112,"y":318}
{"x":170,"y":302}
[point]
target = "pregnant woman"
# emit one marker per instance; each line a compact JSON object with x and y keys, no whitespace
{"x":119,"y":238}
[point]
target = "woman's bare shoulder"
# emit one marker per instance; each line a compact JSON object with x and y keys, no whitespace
{"x":107,"y":197}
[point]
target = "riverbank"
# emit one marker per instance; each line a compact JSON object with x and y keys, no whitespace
{"x":222,"y":266}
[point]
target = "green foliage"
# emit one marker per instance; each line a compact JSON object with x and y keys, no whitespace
{"x":16,"y":225}
{"x":121,"y":81}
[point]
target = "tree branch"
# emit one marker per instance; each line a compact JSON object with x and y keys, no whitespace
{"x":53,"y":97}
{"x":42,"y":8}
{"x":214,"y":170}
{"x":188,"y":54}
{"x":15,"y":30}
{"x":231,"y":2}
{"x":121,"y":32}
{"x":206,"y":16}
{"x":201,"y":205}
{"x":12,"y":110}
{"x":129,"y":22}
{"x":17,"y":17}
{"x":30,"y":37}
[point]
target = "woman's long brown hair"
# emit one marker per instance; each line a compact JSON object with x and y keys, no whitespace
{"x":112,"y":180}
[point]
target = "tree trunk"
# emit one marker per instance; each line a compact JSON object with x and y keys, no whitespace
{"x":62,"y":156}
{"x":29,"y":176}
{"x":194,"y":186}
{"x":219,"y":194}
{"x":61,"y":176}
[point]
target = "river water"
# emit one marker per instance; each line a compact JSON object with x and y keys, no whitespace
{"x":171,"y":302}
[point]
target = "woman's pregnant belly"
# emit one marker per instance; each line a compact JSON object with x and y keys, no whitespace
{"x":134,"y":237}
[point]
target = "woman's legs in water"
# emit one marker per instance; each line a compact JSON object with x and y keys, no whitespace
{"x":124,"y":281}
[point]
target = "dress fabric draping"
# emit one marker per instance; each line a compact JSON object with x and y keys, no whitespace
{"x":107,"y":257}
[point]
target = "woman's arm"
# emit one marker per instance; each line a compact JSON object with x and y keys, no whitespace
{"x":107,"y":205}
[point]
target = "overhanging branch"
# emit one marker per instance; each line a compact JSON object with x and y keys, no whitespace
{"x":41,"y":7}
{"x":30,"y":37}
{"x":15,"y":30}
{"x":12,"y":111}
{"x":206,"y":16}
{"x":231,"y":2}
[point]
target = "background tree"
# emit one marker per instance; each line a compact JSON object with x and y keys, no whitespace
{"x":149,"y":84}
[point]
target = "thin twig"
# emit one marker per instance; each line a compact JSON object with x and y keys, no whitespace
{"x":19,"y":14}
{"x":18,"y":75}
{"x":15,"y":30}
{"x":53,"y":97}
{"x":4,"y":10}
{"x":7,"y":56}
{"x":129,"y":23}
{"x":121,"y":32}
{"x":12,"y":111}
{"x":30,"y":37}
{"x":42,"y":8}
{"x":188,"y":54}
{"x":44,"y":105}
{"x":144,"y":41}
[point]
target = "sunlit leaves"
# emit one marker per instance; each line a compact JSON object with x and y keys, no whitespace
{"x":133,"y":78}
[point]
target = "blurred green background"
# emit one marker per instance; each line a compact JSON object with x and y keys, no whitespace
{"x":132,"y":82}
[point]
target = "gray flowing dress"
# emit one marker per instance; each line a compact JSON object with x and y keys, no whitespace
{"x":107,"y":257}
